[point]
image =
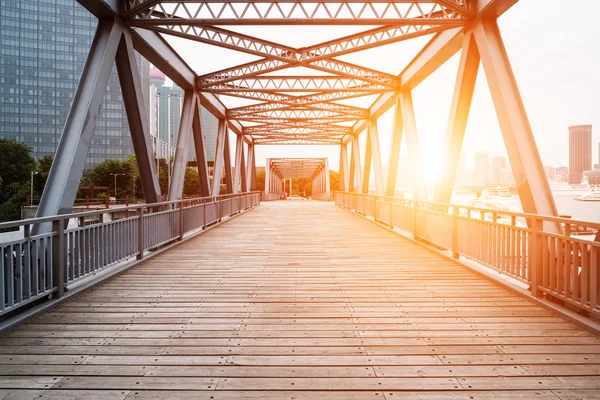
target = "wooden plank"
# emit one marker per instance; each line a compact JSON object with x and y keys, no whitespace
{"x":273,"y":306}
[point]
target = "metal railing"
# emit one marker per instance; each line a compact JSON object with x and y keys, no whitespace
{"x":269,"y":196}
{"x":321,"y":196}
{"x":32,"y":267}
{"x":564,"y":266}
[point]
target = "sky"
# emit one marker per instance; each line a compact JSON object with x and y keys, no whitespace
{"x":554,"y":49}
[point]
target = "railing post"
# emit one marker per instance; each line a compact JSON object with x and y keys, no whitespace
{"x":140,"y":213}
{"x":455,"y":232}
{"x":204,"y":219}
{"x":181,"y":231}
{"x":415,"y":236}
{"x":535,"y":260}
{"x":59,"y":256}
{"x":220,"y":209}
{"x":391,"y":200}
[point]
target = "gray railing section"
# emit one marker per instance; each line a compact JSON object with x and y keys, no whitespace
{"x":269,"y":196}
{"x":563,"y":266}
{"x":322,"y":196}
{"x":32,"y":267}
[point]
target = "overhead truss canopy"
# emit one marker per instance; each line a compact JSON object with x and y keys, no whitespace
{"x":286,"y":103}
{"x":297,"y":167}
{"x":289,"y":108}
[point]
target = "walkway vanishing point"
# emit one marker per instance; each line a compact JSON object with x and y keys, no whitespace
{"x":299,"y":300}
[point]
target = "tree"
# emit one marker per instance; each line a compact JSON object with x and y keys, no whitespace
{"x":16,"y":164}
{"x":191,"y":183}
{"x":43,"y":170}
{"x":103,"y":174}
{"x":334,"y":180}
{"x":260,"y":180}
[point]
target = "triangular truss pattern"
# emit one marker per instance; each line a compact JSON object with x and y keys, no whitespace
{"x":288,"y":102}
{"x":288,"y":108}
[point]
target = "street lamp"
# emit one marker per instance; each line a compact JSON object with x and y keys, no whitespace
{"x":31,"y":198}
{"x":115,"y":175}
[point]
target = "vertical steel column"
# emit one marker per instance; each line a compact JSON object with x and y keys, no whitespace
{"x":200,"y":149}
{"x":219,"y":158}
{"x":459,"y":113}
{"x":343,"y":177}
{"x":327,"y":182}
{"x":412,"y":144}
{"x":135,"y":108}
{"x":532,"y":185}
{"x":368,"y":158}
{"x":69,"y":160}
{"x":183,"y":146}
{"x":351,"y":172}
{"x":228,"y":169}
{"x":395,"y":150}
{"x":267,"y":176}
{"x":376,"y":153}
{"x":357,"y":165}
{"x":239,"y":179}
{"x":251,"y":169}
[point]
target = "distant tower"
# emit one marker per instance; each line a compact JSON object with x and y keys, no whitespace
{"x":580,"y":151}
{"x":482,"y":168}
{"x":157,"y":79}
{"x":498,"y":163}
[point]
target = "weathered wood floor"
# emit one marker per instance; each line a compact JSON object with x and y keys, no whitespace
{"x":299,"y":300}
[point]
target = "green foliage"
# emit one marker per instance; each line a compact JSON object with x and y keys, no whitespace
{"x":191,"y":183}
{"x":260,"y":180}
{"x":103,"y":175}
{"x":39,"y":180}
{"x":163,"y":176}
{"x":334,"y":180}
{"x":16,"y":164}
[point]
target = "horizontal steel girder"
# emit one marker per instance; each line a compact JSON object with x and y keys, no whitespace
{"x":329,"y":108}
{"x":297,"y":167}
{"x":199,"y":13}
{"x":295,"y":140}
{"x":298,"y":84}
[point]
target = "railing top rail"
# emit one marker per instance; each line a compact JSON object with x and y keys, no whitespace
{"x":548,"y":218}
{"x":135,"y":207}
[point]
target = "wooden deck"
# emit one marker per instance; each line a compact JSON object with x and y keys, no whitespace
{"x":299,"y":300}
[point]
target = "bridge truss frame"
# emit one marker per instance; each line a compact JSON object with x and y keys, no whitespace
{"x":297,"y":109}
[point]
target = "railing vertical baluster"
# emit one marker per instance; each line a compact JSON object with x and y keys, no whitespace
{"x":140,"y":229}
{"x":204,"y":211}
{"x":534,"y":258}
{"x":455,"y":232}
{"x":58,"y":256}
{"x":181,"y":230}
{"x":594,"y":266}
{"x":415,"y":236}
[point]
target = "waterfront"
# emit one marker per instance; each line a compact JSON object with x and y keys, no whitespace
{"x":565,"y":203}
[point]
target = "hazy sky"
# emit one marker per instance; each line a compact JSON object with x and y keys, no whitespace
{"x":554,"y":47}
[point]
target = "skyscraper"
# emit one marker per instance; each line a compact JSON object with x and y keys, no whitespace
{"x":165,"y":116}
{"x":43,"y":49}
{"x":580,"y":151}
{"x":482,"y":168}
{"x":498,"y":163}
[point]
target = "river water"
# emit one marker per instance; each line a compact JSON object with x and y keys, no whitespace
{"x":564,"y":199}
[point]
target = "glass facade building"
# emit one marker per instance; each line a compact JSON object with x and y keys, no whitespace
{"x":43,"y":48}
{"x":170,"y":101}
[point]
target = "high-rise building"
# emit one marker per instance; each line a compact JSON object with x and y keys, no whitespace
{"x":165,"y":116}
{"x":580,"y":151}
{"x":549,"y":171}
{"x":482,"y":168}
{"x":497,"y":164}
{"x":43,"y":48}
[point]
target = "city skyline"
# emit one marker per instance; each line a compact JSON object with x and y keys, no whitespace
{"x":41,"y":61}
{"x":541,"y":57}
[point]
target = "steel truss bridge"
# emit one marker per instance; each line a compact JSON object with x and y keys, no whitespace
{"x":299,"y":298}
